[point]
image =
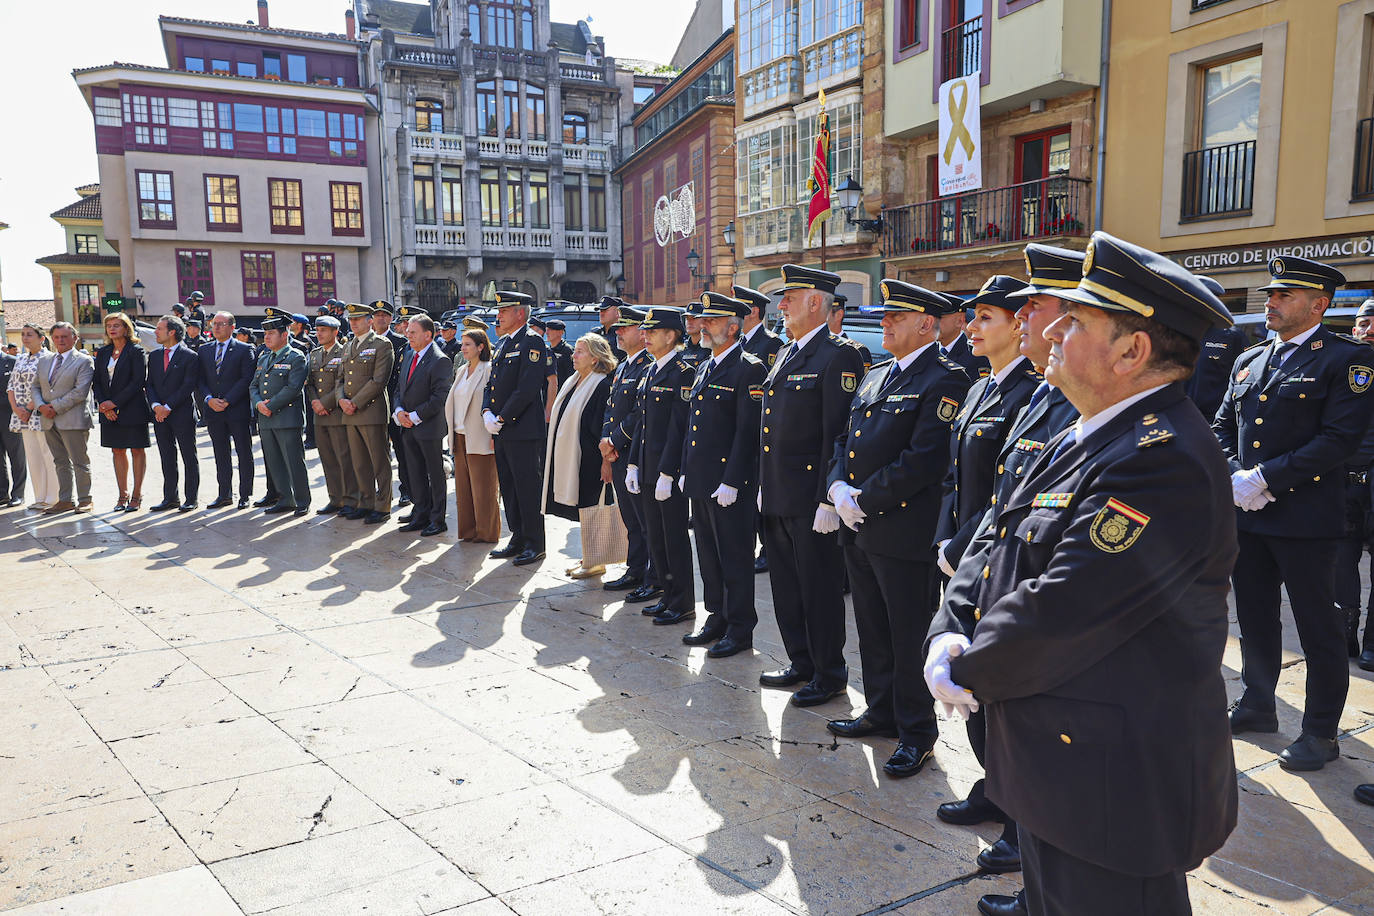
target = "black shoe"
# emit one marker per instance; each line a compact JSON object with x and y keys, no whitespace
{"x":220,"y":502}
{"x":513,"y":549}
{"x":403,"y":501}
{"x":907,"y":760}
{"x":301,"y":510}
{"x":968,"y":812}
{"x":527,"y":556}
{"x":707,"y":634}
{"x":278,"y":509}
{"x":1309,"y":753}
{"x":352,"y":513}
{"x":374,"y":517}
{"x":1245,"y":719}
{"x":760,"y":564}
{"x":629,"y":580}
{"x":645,"y":592}
{"x":860,"y":727}
{"x":407,"y":518}
{"x":814,"y":694}
{"x":1365,"y":794}
{"x":668,"y":618}
{"x":433,"y":529}
{"x":653,"y":610}
{"x":729,"y":646}
{"x":414,"y":526}
{"x":165,"y":506}
{"x":1366,"y":660}
{"x":266,"y":501}
{"x":1000,"y":858}
{"x":328,"y":509}
{"x":787,"y":677}
{"x":1002,"y":905}
{"x":243,"y":503}
{"x":188,"y":505}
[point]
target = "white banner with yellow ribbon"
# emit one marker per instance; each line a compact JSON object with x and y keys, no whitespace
{"x":961,"y":147}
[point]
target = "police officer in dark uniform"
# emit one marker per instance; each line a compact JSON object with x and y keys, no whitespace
{"x":836,"y":322}
{"x":720,"y":462}
{"x":618,"y":426}
{"x":513,"y":410}
{"x":1348,"y":581}
{"x":196,"y":310}
{"x":1101,"y":677}
{"x":805,"y":408}
{"x":608,"y":312}
{"x":954,"y":342}
{"x":656,"y":464}
{"x":559,"y":349}
{"x":758,"y":341}
{"x":694,"y":351}
{"x":382,"y":314}
{"x":449,"y":340}
{"x":1220,"y":350}
{"x":1294,"y":415}
{"x":885,"y":481}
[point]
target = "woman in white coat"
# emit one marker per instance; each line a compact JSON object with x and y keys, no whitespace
{"x":474,"y":459}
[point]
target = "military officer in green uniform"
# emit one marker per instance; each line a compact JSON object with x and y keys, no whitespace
{"x":276,"y":393}
{"x":331,"y":438}
{"x":362,"y":395}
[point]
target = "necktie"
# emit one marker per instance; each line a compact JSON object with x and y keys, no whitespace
{"x":1041,"y":392}
{"x":56,"y":364}
{"x":414,"y":361}
{"x":653,"y":374}
{"x":988,"y":392}
{"x":166,"y":359}
{"x":710,"y":365}
{"x":1277,"y":357}
{"x":1065,"y":445}
{"x":219,"y":356}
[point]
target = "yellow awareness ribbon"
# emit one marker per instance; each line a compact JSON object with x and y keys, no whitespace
{"x":957,"y":130}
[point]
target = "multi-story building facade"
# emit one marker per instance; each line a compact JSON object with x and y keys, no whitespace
{"x":246,"y":168}
{"x":678,"y":184}
{"x":500,"y":131}
{"x":1241,"y":130}
{"x":1038,"y":64}
{"x":87,"y":270}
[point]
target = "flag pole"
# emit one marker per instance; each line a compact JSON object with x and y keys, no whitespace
{"x":822,"y":246}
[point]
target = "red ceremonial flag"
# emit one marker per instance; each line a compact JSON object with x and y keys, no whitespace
{"x":819,"y":182}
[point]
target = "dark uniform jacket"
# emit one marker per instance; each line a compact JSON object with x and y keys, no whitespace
{"x":695,"y":352}
{"x":518,"y":383}
{"x":764,"y":345}
{"x":1300,"y":426}
{"x":657,"y":446}
{"x":399,"y":345}
{"x":1100,"y":599}
{"x":609,"y":334}
{"x":864,"y":352}
{"x":979,"y":432}
{"x":562,"y":361}
{"x":722,"y":441}
{"x":280,"y":381}
{"x":895,"y":449}
{"x":962,"y":353}
{"x":452,"y":347}
{"x":805,"y":407}
{"x":621,"y":418}
{"x":1220,"y":350}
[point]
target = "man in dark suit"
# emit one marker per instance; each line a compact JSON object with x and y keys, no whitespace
{"x":1220,"y":350}
{"x":1061,"y":623}
{"x":885,"y":481}
{"x":1296,"y":411}
{"x":805,"y":407}
{"x":757,"y":340}
{"x":955,"y":344}
{"x":226,"y":371}
{"x":421,"y":392}
{"x":173,"y":374}
{"x":720,"y":475}
{"x":618,"y":426}
{"x":382,"y":314}
{"x":513,"y":411}
{"x":11,"y":444}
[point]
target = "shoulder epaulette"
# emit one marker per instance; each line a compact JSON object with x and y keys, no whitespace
{"x":1151,"y":430}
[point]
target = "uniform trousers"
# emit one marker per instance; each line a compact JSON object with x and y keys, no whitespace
{"x":1059,"y":884}
{"x":805,"y":570}
{"x":393,"y":433}
{"x":428,"y":482}
{"x":70,"y":461}
{"x":283,"y":451}
{"x":670,"y":545}
{"x":725,"y":553}
{"x":477,"y":491}
{"x":1349,"y":556}
{"x":12,"y":462}
{"x":637,"y":561}
{"x":371,"y":460}
{"x":42,"y":470}
{"x":223,"y":434}
{"x":520,"y":470}
{"x":331,"y":442}
{"x":1306,"y":568}
{"x":894,"y":601}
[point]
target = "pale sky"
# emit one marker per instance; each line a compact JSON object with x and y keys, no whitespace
{"x":49,"y":139}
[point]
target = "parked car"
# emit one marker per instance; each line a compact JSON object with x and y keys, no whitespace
{"x":1341,"y":320}
{"x":579,"y":318}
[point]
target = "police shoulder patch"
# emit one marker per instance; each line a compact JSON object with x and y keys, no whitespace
{"x":849,"y":381}
{"x":686,"y":392}
{"x":1360,"y":378}
{"x":1116,"y":526}
{"x":772,"y":358}
{"x":534,"y":355}
{"x":756,"y":392}
{"x":946,"y":409}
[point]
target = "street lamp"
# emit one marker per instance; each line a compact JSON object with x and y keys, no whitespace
{"x":694,"y":264}
{"x":138,"y":293}
{"x":620,"y":283}
{"x":728,"y":233}
{"x":851,"y":195}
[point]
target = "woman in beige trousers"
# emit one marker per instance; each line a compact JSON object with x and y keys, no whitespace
{"x":474,"y":459}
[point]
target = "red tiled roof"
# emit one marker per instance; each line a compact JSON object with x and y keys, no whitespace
{"x":90,"y":260}
{"x":86,"y":208}
{"x":250,"y":27}
{"x":19,"y":312}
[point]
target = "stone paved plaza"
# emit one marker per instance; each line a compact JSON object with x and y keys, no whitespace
{"x":218,"y":713}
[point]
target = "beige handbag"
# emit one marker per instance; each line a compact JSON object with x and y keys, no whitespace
{"x":604,"y":539}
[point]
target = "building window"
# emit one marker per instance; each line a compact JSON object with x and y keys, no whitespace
{"x":527,"y":30}
{"x":284,"y":202}
{"x":846,"y":146}
{"x":768,"y":169}
{"x":1219,"y":175}
{"x":295,"y":68}
{"x":574,"y":127}
{"x":195,"y":64}
{"x":535,"y":124}
{"x":500,"y":25}
{"x":515,"y":194}
{"x":908,"y":17}
{"x":424,"y":192}
{"x":259,"y":277}
{"x":194,"y":273}
{"x":596,"y":202}
{"x":962,"y":41}
{"x":429,"y":116}
{"x":767,"y":31}
{"x":346,"y":207}
{"x":183,"y":112}
{"x":490,"y":184}
{"x":822,"y":18}
{"x":487,"y":123}
{"x":572,"y":202}
{"x":88,"y":303}
{"x":247,"y":69}
{"x":510,"y":94}
{"x":539,"y":199}
{"x":451,"y":194}
{"x":475,"y":22}
{"x":319,"y":277}
{"x":86,"y":244}
{"x":156,"y":209}
{"x":222,"y":212}
{"x":271,"y":66}
{"x":107,"y":112}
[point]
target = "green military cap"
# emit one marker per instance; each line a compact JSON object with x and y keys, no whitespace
{"x":358,"y":310}
{"x":471,"y":321}
{"x":274,"y":312}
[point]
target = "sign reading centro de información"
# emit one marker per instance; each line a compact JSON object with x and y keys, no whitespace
{"x":1243,"y":257}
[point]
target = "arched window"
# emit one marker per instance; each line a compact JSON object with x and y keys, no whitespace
{"x":574,"y":127}
{"x":535,"y":122}
{"x":429,"y":115}
{"x":527,"y":30}
{"x":475,"y":22}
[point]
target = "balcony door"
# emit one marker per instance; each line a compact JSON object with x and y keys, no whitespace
{"x":1042,"y":161}
{"x":963,"y":38}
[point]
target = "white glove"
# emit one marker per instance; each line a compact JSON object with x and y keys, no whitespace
{"x":847,"y":505}
{"x":682,"y":483}
{"x":725,"y":495}
{"x":940,"y":560}
{"x":664,"y":488}
{"x":1248,"y":490}
{"x":955,"y":699}
{"x":827,"y":520}
{"x":492,"y":424}
{"x":631,"y":478}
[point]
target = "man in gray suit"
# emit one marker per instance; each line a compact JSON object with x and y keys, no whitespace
{"x":63,"y":397}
